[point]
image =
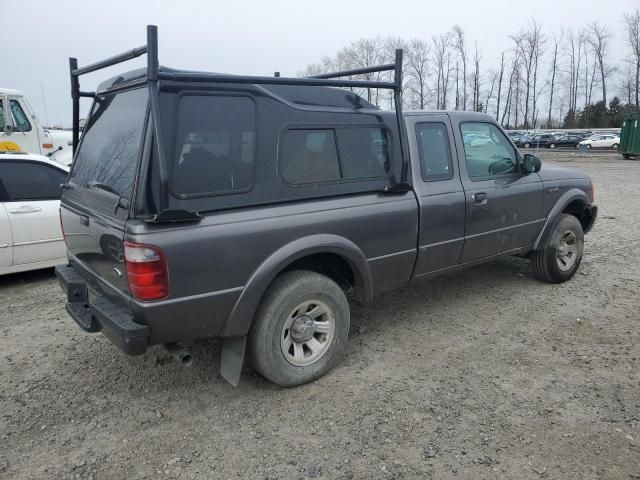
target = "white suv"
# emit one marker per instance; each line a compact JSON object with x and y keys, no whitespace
{"x":608,"y":140}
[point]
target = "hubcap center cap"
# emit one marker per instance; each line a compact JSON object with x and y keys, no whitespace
{"x":302,"y":329}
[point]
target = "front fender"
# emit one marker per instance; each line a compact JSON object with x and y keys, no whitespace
{"x":241,"y":316}
{"x":562,"y":202}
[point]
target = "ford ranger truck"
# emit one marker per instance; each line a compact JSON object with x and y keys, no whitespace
{"x":254,"y":209}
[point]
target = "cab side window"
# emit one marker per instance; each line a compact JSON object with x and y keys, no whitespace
{"x":435,"y":155}
{"x":2,"y":125}
{"x":488,"y":153}
{"x":19,"y":118}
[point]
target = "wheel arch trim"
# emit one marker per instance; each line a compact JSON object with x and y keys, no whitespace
{"x":552,"y":218}
{"x":241,"y":316}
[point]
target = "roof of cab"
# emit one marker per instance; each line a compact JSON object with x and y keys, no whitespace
{"x":33,"y":157}
{"x":297,"y":94}
{"x":11,"y":91}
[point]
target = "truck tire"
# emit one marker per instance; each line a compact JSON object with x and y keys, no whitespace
{"x":561,"y":256}
{"x":300,"y":329}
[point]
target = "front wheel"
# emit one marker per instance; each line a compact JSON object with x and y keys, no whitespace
{"x":300,"y":329}
{"x":615,"y":146}
{"x":527,"y":145}
{"x":552,"y":145}
{"x":561,"y":256}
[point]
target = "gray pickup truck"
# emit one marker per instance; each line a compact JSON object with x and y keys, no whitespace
{"x":249,"y":209}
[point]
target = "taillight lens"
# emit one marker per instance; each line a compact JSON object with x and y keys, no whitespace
{"x":146,"y":271}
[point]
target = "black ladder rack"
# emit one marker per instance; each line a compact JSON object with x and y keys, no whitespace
{"x":154,"y":75}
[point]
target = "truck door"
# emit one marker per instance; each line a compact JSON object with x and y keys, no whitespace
{"x":503,"y":206}
{"x":439,"y":191}
{"x":32,"y":207}
{"x":22,"y":131}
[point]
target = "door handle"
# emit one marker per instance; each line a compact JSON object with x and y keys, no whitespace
{"x":25,"y":209}
{"x":480,"y":198}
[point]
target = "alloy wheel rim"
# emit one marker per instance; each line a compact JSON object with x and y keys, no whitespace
{"x":567,"y":251}
{"x":307,"y":332}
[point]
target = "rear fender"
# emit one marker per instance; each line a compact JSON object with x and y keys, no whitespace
{"x":241,"y":316}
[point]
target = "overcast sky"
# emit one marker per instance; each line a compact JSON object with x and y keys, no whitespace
{"x":250,"y":37}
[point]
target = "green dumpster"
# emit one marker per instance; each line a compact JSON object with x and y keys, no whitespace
{"x":630,"y":136}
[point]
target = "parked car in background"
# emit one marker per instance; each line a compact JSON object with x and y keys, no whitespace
{"x":21,"y":131}
{"x":566,"y":141}
{"x":534,"y":140}
{"x":521,"y":140}
{"x":30,"y":232}
{"x":601,"y":141}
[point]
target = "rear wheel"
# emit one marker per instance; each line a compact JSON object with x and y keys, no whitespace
{"x":552,"y":145}
{"x":300,"y":329}
{"x":615,"y":146}
{"x":588,"y":145}
{"x":562,"y":254}
{"x":527,"y":145}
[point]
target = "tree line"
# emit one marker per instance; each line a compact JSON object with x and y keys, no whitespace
{"x":570,"y":79}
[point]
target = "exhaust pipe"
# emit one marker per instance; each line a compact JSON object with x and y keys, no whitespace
{"x":178,"y":352}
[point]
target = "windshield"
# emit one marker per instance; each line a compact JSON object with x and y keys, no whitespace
{"x":111,"y":142}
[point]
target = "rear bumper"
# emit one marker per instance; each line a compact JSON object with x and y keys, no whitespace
{"x":96,"y":313}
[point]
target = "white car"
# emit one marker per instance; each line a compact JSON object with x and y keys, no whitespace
{"x":607,"y":140}
{"x":30,"y":232}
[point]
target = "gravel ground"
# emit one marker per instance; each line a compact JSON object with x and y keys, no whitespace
{"x":487,"y":373}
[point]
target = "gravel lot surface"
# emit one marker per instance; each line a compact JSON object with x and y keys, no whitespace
{"x":487,"y":373}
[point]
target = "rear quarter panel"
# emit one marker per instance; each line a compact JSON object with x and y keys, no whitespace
{"x":210,"y":262}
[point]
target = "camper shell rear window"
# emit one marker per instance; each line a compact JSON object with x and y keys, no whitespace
{"x":111,"y":143}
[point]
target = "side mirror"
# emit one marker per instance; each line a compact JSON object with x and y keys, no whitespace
{"x":531,"y":163}
{"x":8,"y":130}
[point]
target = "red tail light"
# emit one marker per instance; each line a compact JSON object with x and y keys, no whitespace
{"x":146,"y":271}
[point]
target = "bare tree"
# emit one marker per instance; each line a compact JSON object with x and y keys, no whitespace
{"x":598,"y":37}
{"x":632,"y":37}
{"x":511,"y":91}
{"x":461,"y":49}
{"x":493,"y":78}
{"x":554,"y":69}
{"x":391,"y":44}
{"x":500,"y":75}
{"x":442,"y":60}
{"x":417,"y":58}
{"x":528,"y":43}
{"x":574,"y":48}
{"x":476,"y":79}
{"x":360,"y":54}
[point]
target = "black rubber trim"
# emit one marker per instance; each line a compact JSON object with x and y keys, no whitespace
{"x":592,"y":212}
